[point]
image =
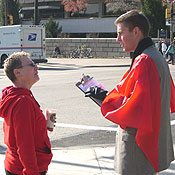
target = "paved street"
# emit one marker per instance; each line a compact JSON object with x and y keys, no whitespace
{"x":79,"y":122}
{"x":56,"y":89}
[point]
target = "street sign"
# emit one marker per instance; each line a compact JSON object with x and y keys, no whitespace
{"x":162,"y":33}
{"x":168,"y":23}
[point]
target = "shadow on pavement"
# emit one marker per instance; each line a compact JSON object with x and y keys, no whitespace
{"x":88,"y":139}
{"x":2,"y":149}
{"x":106,"y":157}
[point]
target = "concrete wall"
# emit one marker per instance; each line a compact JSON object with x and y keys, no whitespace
{"x":101,"y":47}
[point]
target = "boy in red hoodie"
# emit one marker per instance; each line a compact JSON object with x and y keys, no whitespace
{"x":25,"y":129}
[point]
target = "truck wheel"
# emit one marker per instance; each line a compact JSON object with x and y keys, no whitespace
{"x":3,"y":58}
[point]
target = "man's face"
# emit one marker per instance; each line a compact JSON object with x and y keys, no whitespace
{"x":28,"y":72}
{"x":127,"y":39}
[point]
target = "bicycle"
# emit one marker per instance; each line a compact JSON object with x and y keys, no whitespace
{"x":81,"y":52}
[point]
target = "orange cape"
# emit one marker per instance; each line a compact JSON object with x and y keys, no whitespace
{"x":136,"y":103}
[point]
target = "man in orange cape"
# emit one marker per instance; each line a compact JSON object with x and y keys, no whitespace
{"x":141,"y":102}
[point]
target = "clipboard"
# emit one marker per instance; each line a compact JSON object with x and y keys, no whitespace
{"x":86,"y":82}
{"x":80,"y":86}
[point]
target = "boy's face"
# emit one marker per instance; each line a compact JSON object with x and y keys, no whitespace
{"x":27,"y":74}
{"x":127,"y":39}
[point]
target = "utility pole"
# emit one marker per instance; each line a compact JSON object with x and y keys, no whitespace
{"x":36,"y":14}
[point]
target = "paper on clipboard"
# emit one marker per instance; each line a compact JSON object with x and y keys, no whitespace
{"x":87,"y":82}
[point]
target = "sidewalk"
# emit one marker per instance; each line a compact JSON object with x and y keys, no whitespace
{"x":89,"y":161}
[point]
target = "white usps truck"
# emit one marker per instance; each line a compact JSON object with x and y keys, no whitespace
{"x":28,"y":38}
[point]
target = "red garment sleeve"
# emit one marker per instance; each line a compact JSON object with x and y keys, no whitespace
{"x":24,"y":128}
{"x":137,"y":105}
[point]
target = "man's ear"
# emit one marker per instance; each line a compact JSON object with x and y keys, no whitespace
{"x":137,"y":31}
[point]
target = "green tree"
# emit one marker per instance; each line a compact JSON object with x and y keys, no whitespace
{"x":52,"y":28}
{"x":1,"y":13}
{"x":9,"y":7}
{"x":13,"y":9}
{"x":155,"y":12}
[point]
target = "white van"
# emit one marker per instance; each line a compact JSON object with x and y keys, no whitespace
{"x":28,"y":38}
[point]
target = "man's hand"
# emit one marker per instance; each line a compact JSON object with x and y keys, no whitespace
{"x":96,"y":92}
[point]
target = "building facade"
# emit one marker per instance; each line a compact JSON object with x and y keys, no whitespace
{"x":95,"y":21}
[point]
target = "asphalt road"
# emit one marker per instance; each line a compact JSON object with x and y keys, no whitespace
{"x":79,"y":121}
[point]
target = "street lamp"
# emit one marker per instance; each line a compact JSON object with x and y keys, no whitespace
{"x":21,"y":15}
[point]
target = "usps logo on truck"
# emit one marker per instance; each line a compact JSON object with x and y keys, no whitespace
{"x":32,"y":37}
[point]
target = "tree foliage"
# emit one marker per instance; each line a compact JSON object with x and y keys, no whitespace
{"x":118,"y":7}
{"x":155,"y":12}
{"x":12,"y":9}
{"x":75,"y":5}
{"x":52,"y":28}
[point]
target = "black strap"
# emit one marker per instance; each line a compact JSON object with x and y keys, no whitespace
{"x":143,"y":44}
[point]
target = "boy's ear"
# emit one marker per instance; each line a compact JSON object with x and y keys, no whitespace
{"x":16,"y":72}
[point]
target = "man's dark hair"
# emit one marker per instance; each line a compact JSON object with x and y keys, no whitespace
{"x":132,"y":19}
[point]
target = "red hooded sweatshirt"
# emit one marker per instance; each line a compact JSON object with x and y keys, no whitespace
{"x":25,"y":133}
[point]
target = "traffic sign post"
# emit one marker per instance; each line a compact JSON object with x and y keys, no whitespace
{"x":172,"y":25}
{"x":169,"y":15}
{"x":161,"y":33}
